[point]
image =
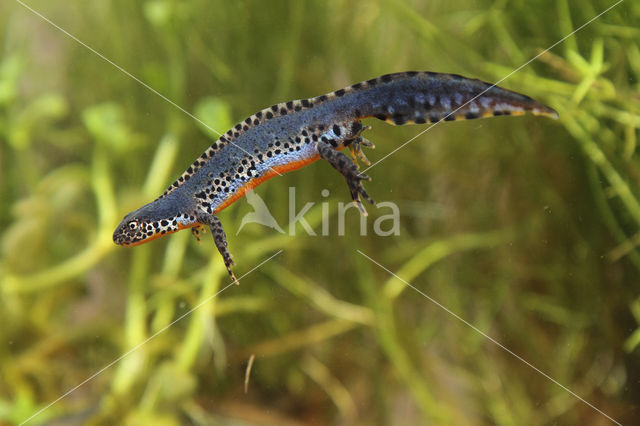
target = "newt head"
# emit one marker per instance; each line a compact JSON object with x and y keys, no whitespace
{"x":145,"y":224}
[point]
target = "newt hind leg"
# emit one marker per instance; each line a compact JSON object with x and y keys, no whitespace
{"x":357,"y":142}
{"x":349,"y":170}
{"x":356,"y":150}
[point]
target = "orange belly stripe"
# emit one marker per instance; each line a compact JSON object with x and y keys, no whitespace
{"x":274,"y":171}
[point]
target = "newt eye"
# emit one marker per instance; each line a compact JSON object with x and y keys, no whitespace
{"x":133,"y":225}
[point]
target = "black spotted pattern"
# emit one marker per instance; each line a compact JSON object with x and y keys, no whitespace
{"x":401,"y":98}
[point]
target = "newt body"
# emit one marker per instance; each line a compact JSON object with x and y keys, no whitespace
{"x":290,"y":135}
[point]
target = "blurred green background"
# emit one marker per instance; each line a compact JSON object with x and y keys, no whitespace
{"x":528,"y":228}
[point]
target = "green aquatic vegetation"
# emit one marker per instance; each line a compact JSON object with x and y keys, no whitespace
{"x":528,"y":229}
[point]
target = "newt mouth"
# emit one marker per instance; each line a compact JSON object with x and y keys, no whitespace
{"x":118,"y":239}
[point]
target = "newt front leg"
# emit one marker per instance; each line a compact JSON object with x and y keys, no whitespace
{"x":220,"y":240}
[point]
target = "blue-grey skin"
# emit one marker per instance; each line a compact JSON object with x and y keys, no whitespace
{"x":290,"y":135}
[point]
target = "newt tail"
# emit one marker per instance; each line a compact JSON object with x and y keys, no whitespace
{"x":290,"y":135}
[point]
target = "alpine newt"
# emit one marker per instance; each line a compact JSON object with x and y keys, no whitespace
{"x":290,"y":135}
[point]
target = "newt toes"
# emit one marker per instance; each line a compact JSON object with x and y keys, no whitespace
{"x":290,"y":135}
